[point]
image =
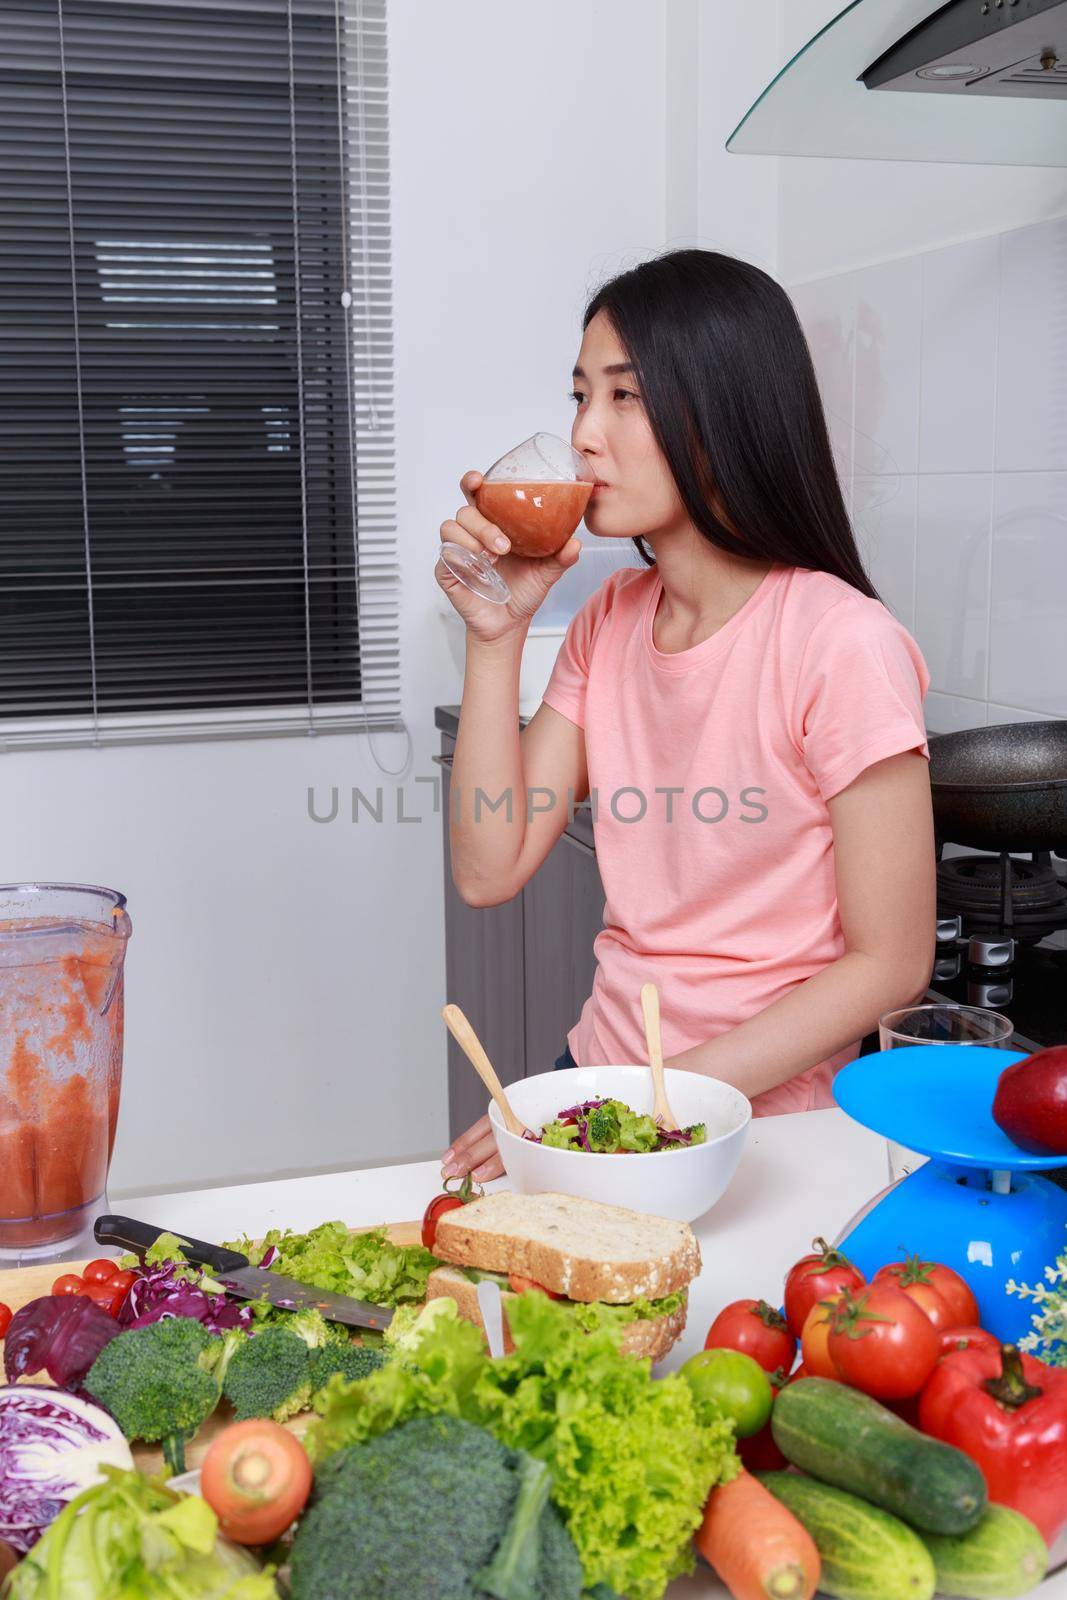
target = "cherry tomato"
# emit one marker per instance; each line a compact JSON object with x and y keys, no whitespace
{"x":953,"y":1339}
{"x":256,"y":1477}
{"x":523,"y":1285}
{"x":756,"y":1329}
{"x":943,"y":1294}
{"x":817,"y":1277}
{"x":882,"y":1343}
{"x":815,"y":1343}
{"x":120,"y":1285}
{"x":99,"y":1271}
{"x":100,"y":1294}
{"x":68,"y":1283}
{"x":5,"y":1318}
{"x":449,"y":1200}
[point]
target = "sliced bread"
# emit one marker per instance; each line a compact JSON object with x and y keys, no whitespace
{"x":651,"y":1336}
{"x":578,"y":1248}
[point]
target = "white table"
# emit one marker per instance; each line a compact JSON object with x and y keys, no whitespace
{"x":800,"y":1176}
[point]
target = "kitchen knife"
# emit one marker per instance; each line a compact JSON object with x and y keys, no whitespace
{"x":233,"y":1273}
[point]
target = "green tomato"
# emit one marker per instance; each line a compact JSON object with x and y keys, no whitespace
{"x":734,"y":1383}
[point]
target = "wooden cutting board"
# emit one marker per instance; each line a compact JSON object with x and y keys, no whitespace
{"x":23,"y":1284}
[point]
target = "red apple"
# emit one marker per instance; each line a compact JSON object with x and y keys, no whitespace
{"x":1030,"y":1104}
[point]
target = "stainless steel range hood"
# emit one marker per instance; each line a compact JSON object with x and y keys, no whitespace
{"x":911,"y":80}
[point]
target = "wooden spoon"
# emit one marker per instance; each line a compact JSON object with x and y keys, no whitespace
{"x":471,"y":1045}
{"x":661,"y":1108}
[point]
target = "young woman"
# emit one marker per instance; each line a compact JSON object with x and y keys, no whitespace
{"x":746,"y":711}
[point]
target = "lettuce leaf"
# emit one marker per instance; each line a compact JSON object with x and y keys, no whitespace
{"x":131,"y":1537}
{"x":366,"y":1265}
{"x":633,"y":1457}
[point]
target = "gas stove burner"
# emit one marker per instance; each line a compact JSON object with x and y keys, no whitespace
{"x":1002,"y":895}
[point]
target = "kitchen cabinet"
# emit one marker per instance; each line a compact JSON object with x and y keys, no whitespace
{"x":521,"y":971}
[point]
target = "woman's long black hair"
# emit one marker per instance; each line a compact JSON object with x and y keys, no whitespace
{"x":730,"y":392}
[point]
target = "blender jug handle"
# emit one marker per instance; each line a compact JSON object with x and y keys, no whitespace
{"x":139,"y":1236}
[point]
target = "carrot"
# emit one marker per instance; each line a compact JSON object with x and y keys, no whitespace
{"x":758,"y":1553}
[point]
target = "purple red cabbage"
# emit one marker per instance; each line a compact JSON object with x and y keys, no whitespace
{"x":166,"y":1290}
{"x":52,"y":1446}
{"x":61,"y":1334}
{"x":572,"y":1113}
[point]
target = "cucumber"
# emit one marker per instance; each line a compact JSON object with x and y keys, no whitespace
{"x":1002,"y":1556}
{"x":847,"y":1439}
{"x":865,"y":1553}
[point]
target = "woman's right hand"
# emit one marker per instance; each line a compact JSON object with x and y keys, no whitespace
{"x":528,"y":579}
{"x":475,"y":1152}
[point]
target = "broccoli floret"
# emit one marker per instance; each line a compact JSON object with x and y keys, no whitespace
{"x":603,"y":1128}
{"x":159,"y":1383}
{"x":560,"y":1135}
{"x":352,"y":1361}
{"x":311,"y":1326}
{"x":637,"y":1131}
{"x":269,"y":1375}
{"x":365,"y":1535}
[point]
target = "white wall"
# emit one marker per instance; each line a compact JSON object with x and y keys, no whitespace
{"x":838,"y":214}
{"x":285,"y":978}
{"x":947,"y":393}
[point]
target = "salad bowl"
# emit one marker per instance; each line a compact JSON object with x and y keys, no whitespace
{"x":681,"y":1183}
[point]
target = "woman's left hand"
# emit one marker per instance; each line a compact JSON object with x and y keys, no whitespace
{"x":474,"y":1151}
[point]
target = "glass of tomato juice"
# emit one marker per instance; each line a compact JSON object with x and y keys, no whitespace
{"x":536,"y":494}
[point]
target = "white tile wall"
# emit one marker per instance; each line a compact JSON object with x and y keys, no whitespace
{"x":944,"y":376}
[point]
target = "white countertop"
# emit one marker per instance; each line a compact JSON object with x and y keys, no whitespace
{"x":800,"y":1176}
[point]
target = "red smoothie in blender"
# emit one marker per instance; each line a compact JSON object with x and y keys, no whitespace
{"x":61,"y":1005}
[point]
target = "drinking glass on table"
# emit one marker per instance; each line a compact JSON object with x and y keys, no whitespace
{"x":536,"y":494}
{"x":943,"y":1023}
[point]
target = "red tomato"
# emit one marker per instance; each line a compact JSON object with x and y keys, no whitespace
{"x":449,"y":1200}
{"x":955,"y":1305}
{"x":959,"y":1294}
{"x":433,"y":1214}
{"x":815,"y":1344}
{"x":68,"y":1283}
{"x":817,"y":1277}
{"x":755,"y":1328}
{"x":882,"y":1343}
{"x":5,"y":1318}
{"x":99,"y":1271}
{"x":116,"y":1289}
{"x":523,"y":1285}
{"x":256,"y":1477}
{"x":101,"y":1295}
{"x":953,"y":1339}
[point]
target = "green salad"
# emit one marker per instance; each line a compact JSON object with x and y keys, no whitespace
{"x":611,"y":1127}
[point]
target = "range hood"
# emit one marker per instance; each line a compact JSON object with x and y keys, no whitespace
{"x":910,"y":80}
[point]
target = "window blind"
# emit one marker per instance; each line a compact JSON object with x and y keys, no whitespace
{"x":197,"y":505}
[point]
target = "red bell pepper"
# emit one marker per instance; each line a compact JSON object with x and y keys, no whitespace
{"x":1008,"y":1412}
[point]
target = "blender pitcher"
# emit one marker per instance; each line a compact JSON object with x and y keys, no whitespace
{"x":62,"y":948}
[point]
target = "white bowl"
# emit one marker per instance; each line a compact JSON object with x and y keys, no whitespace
{"x":682,"y":1184}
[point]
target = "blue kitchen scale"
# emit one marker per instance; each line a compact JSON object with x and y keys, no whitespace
{"x":978,"y":1204}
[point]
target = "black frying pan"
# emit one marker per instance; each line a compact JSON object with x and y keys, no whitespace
{"x":1002,"y":788}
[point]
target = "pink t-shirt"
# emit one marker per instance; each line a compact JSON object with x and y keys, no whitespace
{"x":732,"y":902}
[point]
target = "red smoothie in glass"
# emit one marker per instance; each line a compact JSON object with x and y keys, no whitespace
{"x":538,"y":518}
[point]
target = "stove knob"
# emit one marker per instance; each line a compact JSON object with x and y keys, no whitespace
{"x":990,"y":952}
{"x":949,"y":929}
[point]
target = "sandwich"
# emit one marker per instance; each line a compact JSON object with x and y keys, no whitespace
{"x":607,"y":1266}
